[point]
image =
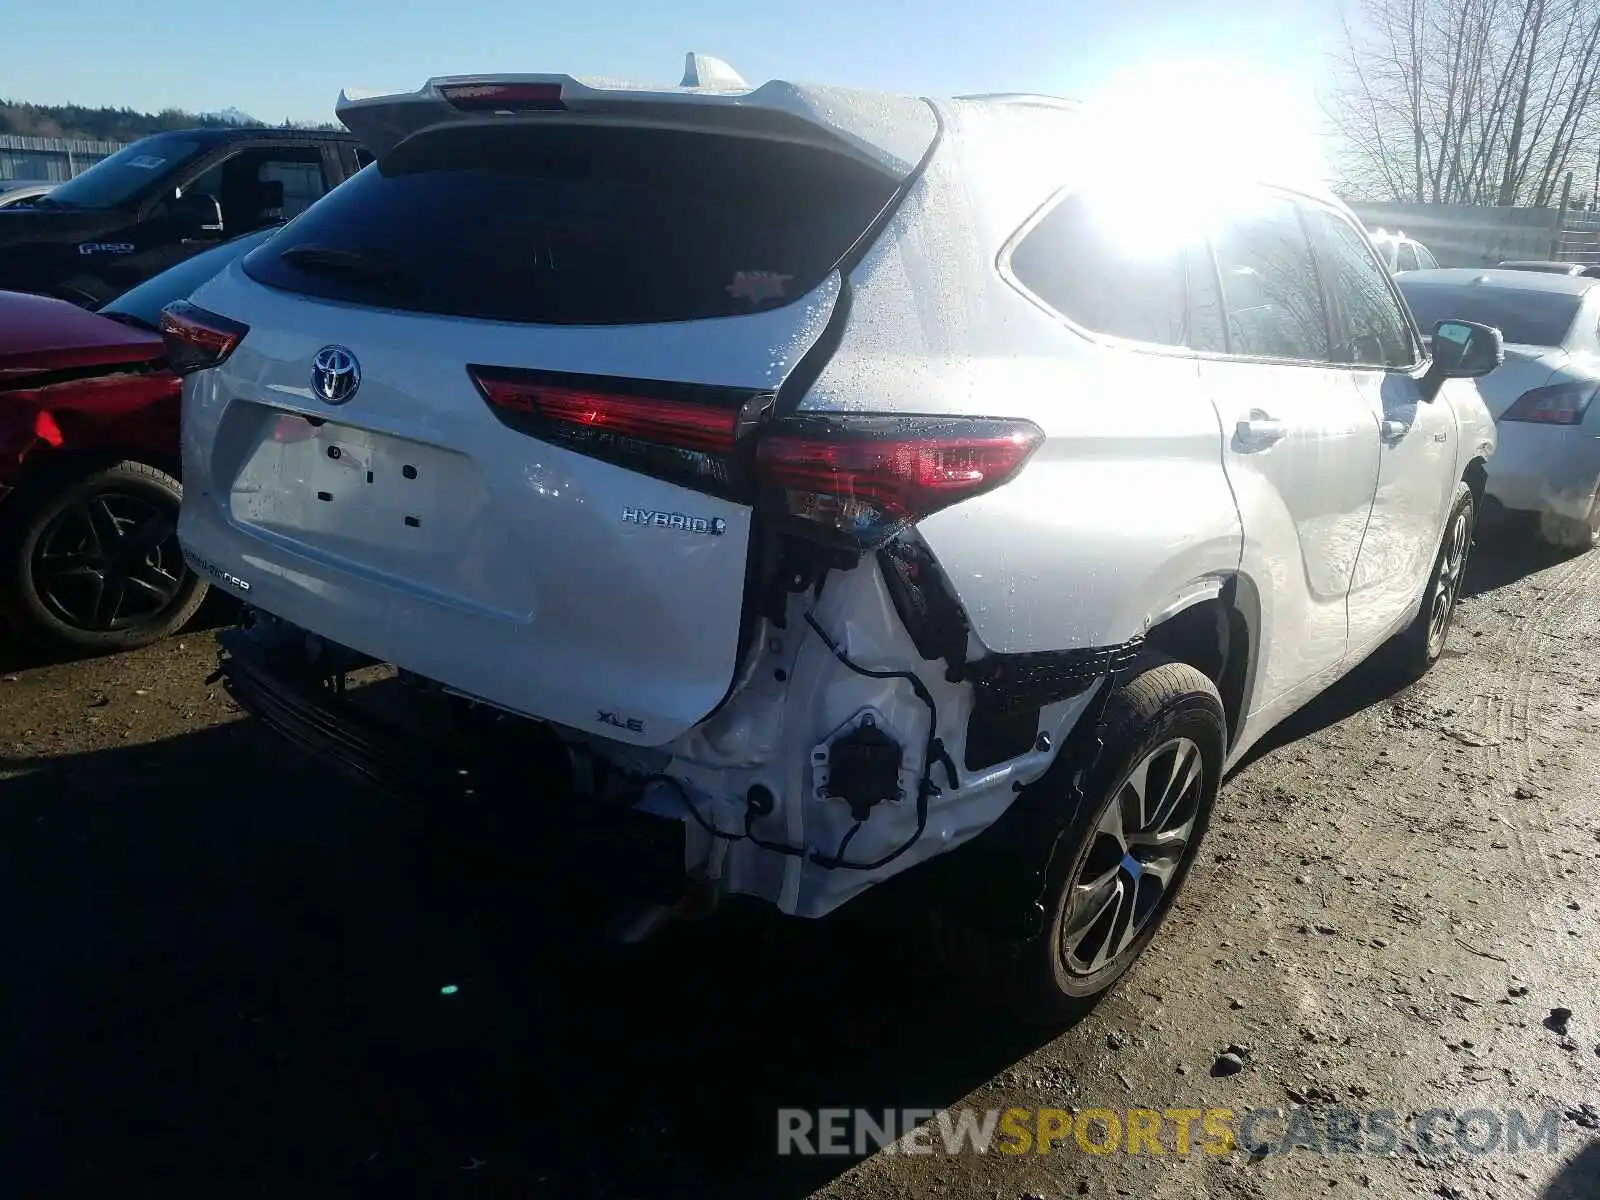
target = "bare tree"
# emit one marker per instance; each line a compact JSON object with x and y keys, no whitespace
{"x":1466,"y":101}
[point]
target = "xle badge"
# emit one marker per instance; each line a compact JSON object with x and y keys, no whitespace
{"x":715,"y":526}
{"x":631,"y":724}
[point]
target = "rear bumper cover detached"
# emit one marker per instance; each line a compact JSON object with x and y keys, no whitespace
{"x":287,"y":679}
{"x":272,"y":675}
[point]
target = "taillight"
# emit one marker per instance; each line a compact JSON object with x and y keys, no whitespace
{"x":1559,"y":404}
{"x":197,"y":339}
{"x":684,"y":433}
{"x":504,"y":97}
{"x":858,"y":480}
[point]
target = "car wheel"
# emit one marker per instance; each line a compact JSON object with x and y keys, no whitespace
{"x":1128,"y":847}
{"x":94,"y":562}
{"x":1568,"y":533}
{"x":1423,"y":641}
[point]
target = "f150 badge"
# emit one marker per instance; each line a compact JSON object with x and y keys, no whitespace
{"x":715,"y":526}
{"x":105,"y":247}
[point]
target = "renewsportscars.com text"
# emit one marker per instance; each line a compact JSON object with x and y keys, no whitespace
{"x":1169,"y":1131}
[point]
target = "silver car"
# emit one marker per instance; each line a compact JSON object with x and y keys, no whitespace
{"x":846,"y":486}
{"x":1548,"y":464}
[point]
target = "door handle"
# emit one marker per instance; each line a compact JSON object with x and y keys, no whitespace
{"x":1393,"y":431}
{"x":1259,"y":432}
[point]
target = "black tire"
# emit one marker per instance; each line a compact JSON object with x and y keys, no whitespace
{"x":91,"y":561}
{"x":1164,"y":704}
{"x":1417,"y":648}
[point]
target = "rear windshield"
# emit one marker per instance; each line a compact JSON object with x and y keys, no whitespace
{"x":1521,"y":315}
{"x":580,"y":225}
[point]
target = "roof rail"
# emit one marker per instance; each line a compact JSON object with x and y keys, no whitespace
{"x":1036,"y":98}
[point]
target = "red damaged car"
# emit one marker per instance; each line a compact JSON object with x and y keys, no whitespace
{"x":89,"y":494}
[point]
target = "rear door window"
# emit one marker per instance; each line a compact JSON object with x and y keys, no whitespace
{"x":1405,"y":258}
{"x":579,"y":225}
{"x":1425,"y":259}
{"x":1085,"y":268}
{"x":1269,"y":284}
{"x":261,"y":186}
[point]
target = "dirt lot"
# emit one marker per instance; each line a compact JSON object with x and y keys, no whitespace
{"x":226,"y":967}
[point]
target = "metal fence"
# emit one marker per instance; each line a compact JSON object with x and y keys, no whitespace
{"x":53,"y":160}
{"x":1580,"y":237}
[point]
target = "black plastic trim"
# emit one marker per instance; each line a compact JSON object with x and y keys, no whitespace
{"x":1012,"y":683}
{"x":275,"y":684}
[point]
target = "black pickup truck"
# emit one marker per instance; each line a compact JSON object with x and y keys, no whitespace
{"x":154,"y":203}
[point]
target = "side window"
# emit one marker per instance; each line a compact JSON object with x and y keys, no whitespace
{"x":363,"y":157}
{"x":1405,"y":258}
{"x":1425,"y":259}
{"x":1269,"y":285}
{"x":1369,"y":325}
{"x":1095,"y":279}
{"x":262,"y":187}
{"x":301,"y":176}
{"x":209,"y":183}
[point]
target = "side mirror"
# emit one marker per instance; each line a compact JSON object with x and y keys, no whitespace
{"x":1463,"y":350}
{"x":195,"y":215}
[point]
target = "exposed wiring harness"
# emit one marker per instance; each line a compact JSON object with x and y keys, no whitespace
{"x":926,"y":788}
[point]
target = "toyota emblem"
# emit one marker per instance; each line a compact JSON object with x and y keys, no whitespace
{"x":335,"y":374}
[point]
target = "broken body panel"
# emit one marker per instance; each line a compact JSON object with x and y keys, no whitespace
{"x":723,"y":674}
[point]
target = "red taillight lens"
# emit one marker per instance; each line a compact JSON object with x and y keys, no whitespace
{"x":678,"y":423}
{"x":1560,"y":404}
{"x":683,"y":433}
{"x":197,"y":339}
{"x":861,"y":479}
{"x":504,"y":97}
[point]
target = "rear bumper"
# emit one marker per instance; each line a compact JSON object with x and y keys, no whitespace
{"x":269,"y":672}
{"x":1545,"y":469}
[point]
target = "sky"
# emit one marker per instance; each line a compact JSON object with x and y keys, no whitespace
{"x":289,"y":58}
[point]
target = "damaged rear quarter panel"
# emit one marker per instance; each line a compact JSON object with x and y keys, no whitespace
{"x":1126,"y":503}
{"x":1121,"y":509}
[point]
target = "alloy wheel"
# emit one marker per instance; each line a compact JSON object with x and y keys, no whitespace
{"x":109,"y":562}
{"x":1447,"y":583}
{"x":1134,"y":856}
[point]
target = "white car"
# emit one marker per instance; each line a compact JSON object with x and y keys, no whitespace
{"x":15,"y":192}
{"x":841,"y":483}
{"x":1548,"y":464}
{"x":1402,"y":254}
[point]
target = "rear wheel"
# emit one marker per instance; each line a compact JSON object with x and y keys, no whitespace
{"x":1127,"y":850}
{"x":1419,"y":647}
{"x":94,"y":562}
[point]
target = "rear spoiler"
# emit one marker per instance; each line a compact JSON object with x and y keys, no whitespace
{"x":892,"y":133}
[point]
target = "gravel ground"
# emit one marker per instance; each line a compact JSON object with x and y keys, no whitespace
{"x":228,"y":968}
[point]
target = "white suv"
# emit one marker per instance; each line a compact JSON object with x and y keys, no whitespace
{"x":839,"y":481}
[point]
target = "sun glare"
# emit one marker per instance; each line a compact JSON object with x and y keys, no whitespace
{"x":1171,"y":142}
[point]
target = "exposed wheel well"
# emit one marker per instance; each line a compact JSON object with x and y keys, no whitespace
{"x":1214,"y":638}
{"x":1476,"y":477}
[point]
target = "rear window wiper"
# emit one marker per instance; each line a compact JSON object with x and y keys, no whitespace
{"x":332,"y":260}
